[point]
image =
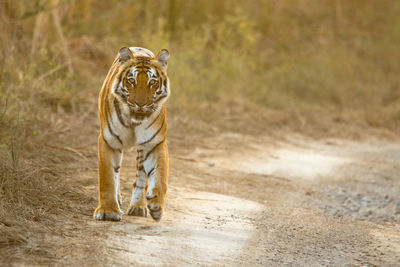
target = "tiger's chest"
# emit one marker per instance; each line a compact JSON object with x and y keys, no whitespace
{"x":119,"y":136}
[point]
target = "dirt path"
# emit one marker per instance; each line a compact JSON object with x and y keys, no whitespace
{"x":237,"y":200}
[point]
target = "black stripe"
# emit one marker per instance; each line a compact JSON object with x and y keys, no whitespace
{"x":108,"y":123}
{"x":152,"y":150}
{"x":116,"y":169}
{"x":142,"y":59}
{"x":153,"y":121}
{"x":119,"y":115}
{"x":158,"y":76}
{"x":143,"y":67}
{"x":115,"y":135}
{"x":150,"y":172}
{"x":154,"y":135}
{"x":139,"y":156}
{"x":161,"y":97}
{"x":105,"y":141}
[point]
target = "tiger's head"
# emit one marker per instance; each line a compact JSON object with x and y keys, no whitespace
{"x":143,"y":84}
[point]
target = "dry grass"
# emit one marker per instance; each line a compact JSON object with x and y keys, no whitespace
{"x":34,"y":194}
{"x":318,"y":68}
{"x":284,"y":57}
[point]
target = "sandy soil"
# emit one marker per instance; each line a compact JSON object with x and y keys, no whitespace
{"x":237,"y":200}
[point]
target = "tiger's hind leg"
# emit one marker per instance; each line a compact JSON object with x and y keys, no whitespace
{"x":138,"y":202}
{"x":109,"y":163}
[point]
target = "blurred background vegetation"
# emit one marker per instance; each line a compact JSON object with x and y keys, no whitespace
{"x":332,"y":58}
{"x":310,"y":66}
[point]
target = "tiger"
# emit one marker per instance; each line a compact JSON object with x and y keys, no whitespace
{"x":132,"y":112}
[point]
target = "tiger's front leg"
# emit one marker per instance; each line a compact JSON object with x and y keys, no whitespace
{"x":109,"y":161}
{"x":156,"y":167}
{"x":138,"y":202}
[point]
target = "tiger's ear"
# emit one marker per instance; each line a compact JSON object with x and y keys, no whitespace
{"x":162,"y":56}
{"x":124,"y":54}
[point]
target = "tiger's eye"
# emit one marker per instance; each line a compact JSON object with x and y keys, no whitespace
{"x":153,"y":82}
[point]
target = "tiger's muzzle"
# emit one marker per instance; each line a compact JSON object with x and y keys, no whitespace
{"x":140,"y":112}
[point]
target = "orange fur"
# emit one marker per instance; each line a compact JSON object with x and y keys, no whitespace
{"x":132,"y":112}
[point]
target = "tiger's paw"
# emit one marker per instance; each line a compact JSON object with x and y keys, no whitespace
{"x":156,"y":211}
{"x":137,"y":211}
{"x":155,"y":207}
{"x":102,"y":214}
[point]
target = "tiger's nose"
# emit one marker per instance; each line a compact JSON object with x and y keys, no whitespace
{"x":140,"y":111}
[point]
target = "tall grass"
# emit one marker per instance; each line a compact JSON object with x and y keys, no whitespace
{"x":336,"y":55}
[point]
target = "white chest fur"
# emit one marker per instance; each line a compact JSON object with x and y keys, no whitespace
{"x":118,"y":136}
{"x":147,"y":129}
